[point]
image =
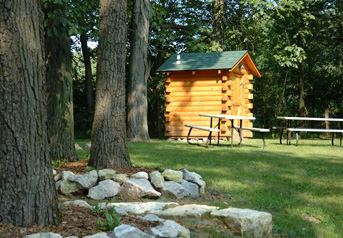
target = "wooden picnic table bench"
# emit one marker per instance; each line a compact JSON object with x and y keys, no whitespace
{"x":291,"y":129}
{"x":233,"y":127}
{"x":210,"y":129}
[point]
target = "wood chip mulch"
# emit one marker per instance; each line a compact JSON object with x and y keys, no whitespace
{"x":76,"y":221}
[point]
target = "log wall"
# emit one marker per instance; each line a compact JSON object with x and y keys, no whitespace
{"x":189,"y":93}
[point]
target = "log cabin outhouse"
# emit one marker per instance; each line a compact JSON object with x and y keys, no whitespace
{"x":209,"y":83}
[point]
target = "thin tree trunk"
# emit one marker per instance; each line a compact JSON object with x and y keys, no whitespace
{"x":60,"y":98}
{"x":327,"y":124}
{"x":301,"y":88}
{"x":218,"y":25}
{"x":137,"y":101}
{"x":27,"y":189}
{"x":89,"y":76}
{"x":109,"y":146}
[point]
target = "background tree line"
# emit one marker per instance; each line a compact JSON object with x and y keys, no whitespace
{"x":296,"y":45}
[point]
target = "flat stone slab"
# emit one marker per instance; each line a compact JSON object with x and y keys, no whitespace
{"x":139,"y":208}
{"x":192,"y":210}
{"x":246,"y":222}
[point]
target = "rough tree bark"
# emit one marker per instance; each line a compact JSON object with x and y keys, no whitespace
{"x":109,"y":146}
{"x":27,"y":190}
{"x":89,"y":76}
{"x":60,"y":98}
{"x":137,"y":102}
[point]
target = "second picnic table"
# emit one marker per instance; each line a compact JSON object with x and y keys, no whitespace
{"x":291,"y":129}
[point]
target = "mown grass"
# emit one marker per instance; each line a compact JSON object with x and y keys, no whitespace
{"x":302,"y":187}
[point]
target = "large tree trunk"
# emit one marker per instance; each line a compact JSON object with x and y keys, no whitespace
{"x":60,"y":98}
{"x":218,"y":25}
{"x":89,"y":76}
{"x":137,"y":102}
{"x":27,"y":189}
{"x":109,"y":146}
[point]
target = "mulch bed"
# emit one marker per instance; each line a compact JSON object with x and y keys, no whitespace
{"x":78,"y":221}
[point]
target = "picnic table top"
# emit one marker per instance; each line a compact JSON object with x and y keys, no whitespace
{"x":309,"y":118}
{"x":231,"y":117}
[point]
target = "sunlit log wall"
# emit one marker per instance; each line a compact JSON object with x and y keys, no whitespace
{"x":188,"y":93}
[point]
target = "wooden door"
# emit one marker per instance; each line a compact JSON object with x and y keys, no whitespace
{"x":238,"y":98}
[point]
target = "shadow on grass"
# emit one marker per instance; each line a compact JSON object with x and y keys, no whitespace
{"x":300,"y":185}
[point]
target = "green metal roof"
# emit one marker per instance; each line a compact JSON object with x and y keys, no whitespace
{"x":203,"y":61}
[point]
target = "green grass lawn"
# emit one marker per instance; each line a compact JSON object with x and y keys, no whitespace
{"x":302,"y":187}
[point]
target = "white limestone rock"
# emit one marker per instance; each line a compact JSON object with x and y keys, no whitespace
{"x":88,"y":146}
{"x":172,"y":189}
{"x":194,"y":178}
{"x":58,"y":185}
{"x":138,"y":188}
{"x":150,"y":217}
{"x":44,"y":235}
{"x":191,"y":177}
{"x":68,"y":187}
{"x":191,"y":189}
{"x":87,"y":180}
{"x":127,"y":231}
{"x":98,"y":235}
{"x":121,"y":178}
{"x":77,"y":203}
{"x":168,"y":228}
{"x":140,"y":175}
{"x":246,"y":222}
{"x":105,"y":174}
{"x":57,"y":177}
{"x":105,"y":189}
{"x":185,"y":233}
{"x":172,"y":175}
{"x":78,"y":147}
{"x":157,"y":180}
{"x":190,"y":210}
{"x":67,"y":174}
{"x":139,"y":208}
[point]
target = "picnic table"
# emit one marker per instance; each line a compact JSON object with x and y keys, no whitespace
{"x":216,"y":128}
{"x":291,"y":120}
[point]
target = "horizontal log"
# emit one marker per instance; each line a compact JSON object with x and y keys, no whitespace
{"x":196,"y":109}
{"x":189,"y":114}
{"x":194,"y":99}
{"x":225,"y":88}
{"x":195,"y":104}
{"x":188,"y":119}
{"x":250,"y":86}
{"x":195,"y":94}
{"x":250,"y":105}
{"x":196,"y":83}
{"x":204,"y":134}
{"x":168,"y":79}
{"x":183,"y":122}
{"x":249,"y":96}
{"x":194,"y":89}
